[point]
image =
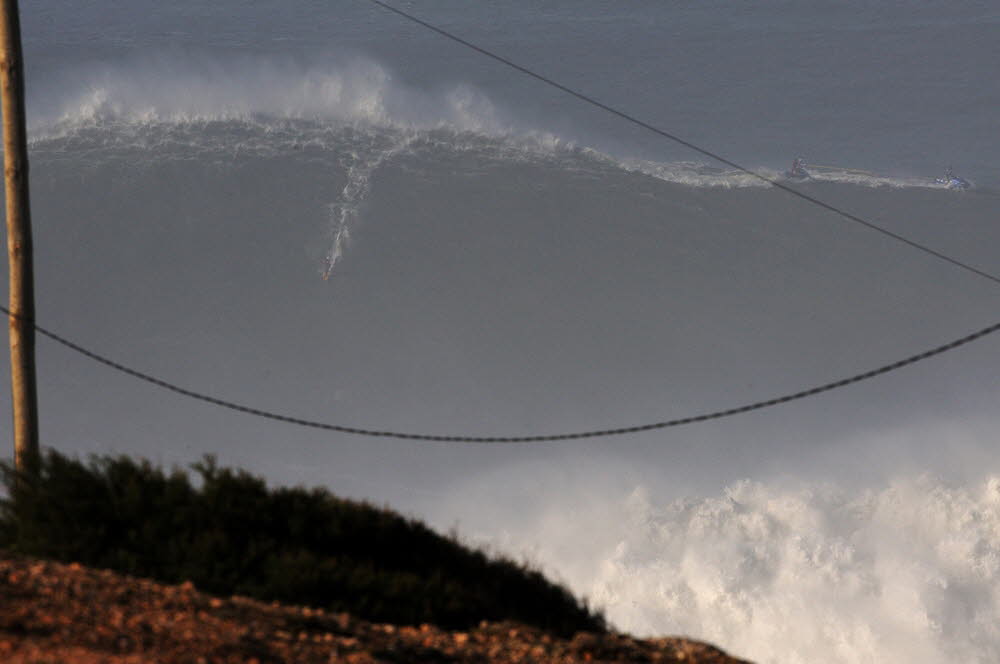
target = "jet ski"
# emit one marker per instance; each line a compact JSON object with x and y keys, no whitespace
{"x":798,"y":170}
{"x":952,"y":181}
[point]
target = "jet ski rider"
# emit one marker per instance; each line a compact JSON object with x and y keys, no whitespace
{"x":798,"y":169}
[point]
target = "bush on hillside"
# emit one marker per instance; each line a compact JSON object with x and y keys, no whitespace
{"x":234,"y":535}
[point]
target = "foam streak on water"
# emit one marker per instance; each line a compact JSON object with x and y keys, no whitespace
{"x":346,"y":210}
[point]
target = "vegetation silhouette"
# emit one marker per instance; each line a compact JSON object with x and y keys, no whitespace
{"x":234,"y":535}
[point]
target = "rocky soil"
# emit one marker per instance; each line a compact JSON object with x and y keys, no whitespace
{"x":51,"y":613}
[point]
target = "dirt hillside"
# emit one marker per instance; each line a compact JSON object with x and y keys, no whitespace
{"x":51,"y":612}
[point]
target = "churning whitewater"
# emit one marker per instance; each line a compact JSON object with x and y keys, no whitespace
{"x":818,"y":574}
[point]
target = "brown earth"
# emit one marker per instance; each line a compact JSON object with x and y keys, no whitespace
{"x":52,"y":613}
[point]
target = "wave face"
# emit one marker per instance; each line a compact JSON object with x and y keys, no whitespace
{"x":909,"y":572}
{"x":351,"y":117}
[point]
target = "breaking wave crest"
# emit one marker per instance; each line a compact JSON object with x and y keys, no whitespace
{"x":190,"y":89}
{"x":814,"y":575}
{"x":270,"y":98}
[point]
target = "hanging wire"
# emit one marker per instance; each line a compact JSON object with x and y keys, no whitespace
{"x":715,"y":415}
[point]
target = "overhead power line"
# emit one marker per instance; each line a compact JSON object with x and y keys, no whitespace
{"x":596,"y":433}
{"x":688,"y":144}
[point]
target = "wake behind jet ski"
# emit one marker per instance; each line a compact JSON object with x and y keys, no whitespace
{"x":798,"y":170}
{"x":952,"y":181}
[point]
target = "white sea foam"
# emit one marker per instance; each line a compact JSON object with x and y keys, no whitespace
{"x":701,"y":175}
{"x":177,"y":89}
{"x":867,"y":179}
{"x":909,"y":572}
{"x":695,"y":174}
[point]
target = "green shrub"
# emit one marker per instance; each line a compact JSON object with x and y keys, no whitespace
{"x":234,"y":535}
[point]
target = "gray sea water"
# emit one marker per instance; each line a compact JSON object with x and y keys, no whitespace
{"x":321,"y":209}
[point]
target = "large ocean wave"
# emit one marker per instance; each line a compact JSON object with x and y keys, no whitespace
{"x":349,"y":117}
{"x":271,"y":104}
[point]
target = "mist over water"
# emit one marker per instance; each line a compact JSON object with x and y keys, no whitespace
{"x":339,"y":217}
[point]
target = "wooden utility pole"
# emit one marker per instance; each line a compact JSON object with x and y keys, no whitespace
{"x":24,"y":394}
